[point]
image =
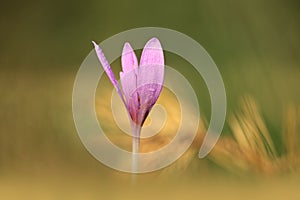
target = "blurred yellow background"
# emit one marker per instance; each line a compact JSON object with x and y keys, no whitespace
{"x":256,"y":46}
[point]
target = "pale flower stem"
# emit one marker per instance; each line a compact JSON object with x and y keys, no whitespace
{"x":135,"y":153}
{"x":136,"y":129}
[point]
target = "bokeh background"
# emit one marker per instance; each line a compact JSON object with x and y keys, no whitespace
{"x":256,"y":46}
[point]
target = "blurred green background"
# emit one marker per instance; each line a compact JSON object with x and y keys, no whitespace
{"x":255,"y":44}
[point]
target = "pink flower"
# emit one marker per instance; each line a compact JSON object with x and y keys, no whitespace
{"x":141,"y":83}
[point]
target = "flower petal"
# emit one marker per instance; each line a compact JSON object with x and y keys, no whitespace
{"x":149,"y":85}
{"x":129,"y":60}
{"x":130,"y":68}
{"x":128,"y":79}
{"x":152,"y":53}
{"x":108,"y":70}
{"x":150,"y":77}
{"x":152,"y":67}
{"x":128,"y":82}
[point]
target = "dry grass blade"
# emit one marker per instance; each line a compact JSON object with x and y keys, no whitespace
{"x":255,"y":128}
{"x":252,"y":149}
{"x":290,"y":136}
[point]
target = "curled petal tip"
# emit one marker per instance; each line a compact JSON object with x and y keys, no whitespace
{"x":95,"y":44}
{"x":121,"y":74}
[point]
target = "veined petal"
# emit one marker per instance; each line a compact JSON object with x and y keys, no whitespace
{"x":149,"y":85}
{"x":130,"y":68}
{"x":128,"y":82}
{"x":129,"y":60}
{"x":108,"y":70}
{"x":152,"y":53}
{"x":150,"y":77}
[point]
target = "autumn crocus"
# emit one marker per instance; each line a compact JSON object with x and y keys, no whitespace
{"x":141,"y":84}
